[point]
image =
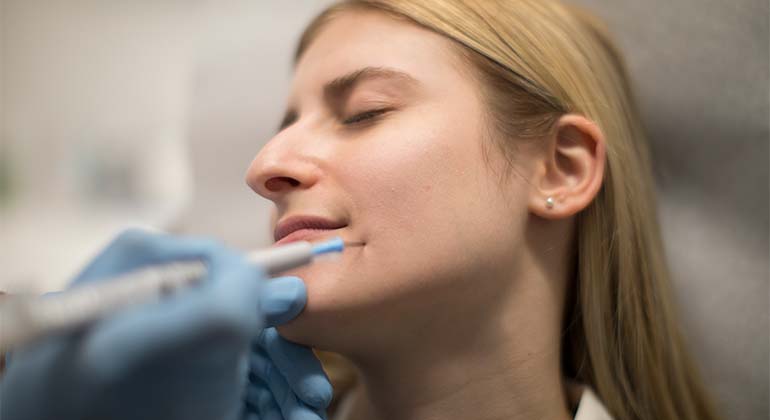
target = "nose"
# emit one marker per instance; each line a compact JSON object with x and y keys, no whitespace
{"x":282,"y":166}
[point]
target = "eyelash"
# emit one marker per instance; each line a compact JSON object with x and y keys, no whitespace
{"x":364,"y":116}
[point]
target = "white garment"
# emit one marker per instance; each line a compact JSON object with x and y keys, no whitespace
{"x":589,"y":407}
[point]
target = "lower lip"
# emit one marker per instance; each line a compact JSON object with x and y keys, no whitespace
{"x":303,"y":235}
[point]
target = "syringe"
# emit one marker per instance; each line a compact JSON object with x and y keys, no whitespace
{"x":26,"y":318}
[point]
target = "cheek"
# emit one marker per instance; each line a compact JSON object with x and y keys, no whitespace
{"x":397,"y":186}
{"x":409,"y":182}
{"x":426,"y":203}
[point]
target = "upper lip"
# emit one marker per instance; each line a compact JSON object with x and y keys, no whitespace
{"x":295,"y":223}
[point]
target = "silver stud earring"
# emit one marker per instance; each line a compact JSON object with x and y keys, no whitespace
{"x":549,"y":202}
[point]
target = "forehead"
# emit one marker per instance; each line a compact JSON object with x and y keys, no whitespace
{"x":356,"y":39}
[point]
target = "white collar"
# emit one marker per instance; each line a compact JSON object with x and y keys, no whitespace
{"x":590,"y":407}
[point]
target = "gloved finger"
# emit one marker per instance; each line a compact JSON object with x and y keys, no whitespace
{"x":34,"y":368}
{"x":282,"y":299}
{"x":218,"y":315}
{"x":262,"y":370}
{"x":260,"y":399}
{"x":135,"y":248}
{"x":291,"y":406}
{"x":300,"y":366}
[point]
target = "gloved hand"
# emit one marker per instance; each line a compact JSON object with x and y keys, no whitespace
{"x":286,"y":381}
{"x":184,"y":357}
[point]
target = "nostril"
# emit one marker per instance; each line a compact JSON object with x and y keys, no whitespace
{"x":278,"y":183}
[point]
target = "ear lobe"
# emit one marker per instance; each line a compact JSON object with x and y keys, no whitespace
{"x":572,"y":168}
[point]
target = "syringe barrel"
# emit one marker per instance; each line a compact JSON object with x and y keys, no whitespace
{"x":23,"y":319}
{"x":282,"y":258}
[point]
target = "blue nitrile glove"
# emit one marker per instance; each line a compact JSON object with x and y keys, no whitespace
{"x":286,"y":381}
{"x":185,"y":357}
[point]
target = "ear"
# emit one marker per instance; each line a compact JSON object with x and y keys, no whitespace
{"x":571,"y":169}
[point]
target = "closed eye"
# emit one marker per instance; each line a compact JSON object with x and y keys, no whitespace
{"x":364,"y":116}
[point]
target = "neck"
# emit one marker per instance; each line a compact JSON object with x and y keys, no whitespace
{"x":503,"y":365}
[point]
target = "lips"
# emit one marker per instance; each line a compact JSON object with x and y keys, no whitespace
{"x":297,"y":228}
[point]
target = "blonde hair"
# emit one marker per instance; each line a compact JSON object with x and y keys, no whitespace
{"x":538,"y":60}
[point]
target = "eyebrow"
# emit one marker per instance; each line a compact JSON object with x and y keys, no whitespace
{"x":343,"y":85}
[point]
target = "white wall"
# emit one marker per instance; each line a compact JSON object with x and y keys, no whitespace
{"x":115,"y":113}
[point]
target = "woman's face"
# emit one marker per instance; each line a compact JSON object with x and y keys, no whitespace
{"x":384,"y":140}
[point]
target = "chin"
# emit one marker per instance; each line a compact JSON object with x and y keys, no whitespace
{"x":299,"y":332}
{"x":341,"y":319}
{"x":354,"y":305}
{"x":294,"y":332}
{"x":324,"y":330}
{"x":328,"y":308}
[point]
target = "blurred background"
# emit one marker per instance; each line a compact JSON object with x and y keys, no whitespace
{"x":116,"y":114}
{"x":144,"y":113}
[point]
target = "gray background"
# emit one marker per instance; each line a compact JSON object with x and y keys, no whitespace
{"x":115,"y":113}
{"x":701,"y":72}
